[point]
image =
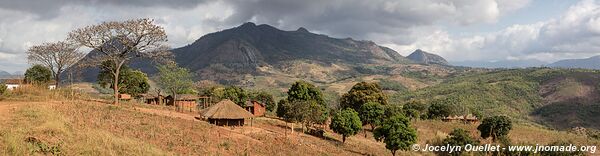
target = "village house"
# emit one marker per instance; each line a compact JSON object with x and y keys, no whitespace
{"x":463,"y":118}
{"x":255,"y":107}
{"x":14,"y":83}
{"x":184,"y":102}
{"x":225,"y":113}
{"x":153,"y":100}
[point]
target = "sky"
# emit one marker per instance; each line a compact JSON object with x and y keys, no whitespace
{"x":458,"y":30}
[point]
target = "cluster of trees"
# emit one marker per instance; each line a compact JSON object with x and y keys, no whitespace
{"x":364,"y":104}
{"x":368,"y":105}
{"x":133,"y":82}
{"x":240,"y":95}
{"x":38,"y":74}
{"x":304,"y":103}
{"x":115,"y":42}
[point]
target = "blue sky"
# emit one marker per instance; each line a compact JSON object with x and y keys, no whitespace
{"x":458,"y":30}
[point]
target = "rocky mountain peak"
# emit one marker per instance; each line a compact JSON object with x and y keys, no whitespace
{"x":302,"y":29}
{"x":423,"y":57}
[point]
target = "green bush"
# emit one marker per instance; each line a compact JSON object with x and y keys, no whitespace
{"x":3,"y":88}
{"x":391,"y":85}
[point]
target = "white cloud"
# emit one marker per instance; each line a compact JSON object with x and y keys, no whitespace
{"x":575,"y":34}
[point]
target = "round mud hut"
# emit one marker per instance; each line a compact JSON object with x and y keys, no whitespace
{"x":226,"y":113}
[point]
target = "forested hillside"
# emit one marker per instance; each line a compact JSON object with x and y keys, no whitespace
{"x":545,"y":95}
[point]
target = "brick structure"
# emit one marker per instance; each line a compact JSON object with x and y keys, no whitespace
{"x":255,"y":107}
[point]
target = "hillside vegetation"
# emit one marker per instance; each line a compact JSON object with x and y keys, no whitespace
{"x":54,"y":125}
{"x":550,"y":96}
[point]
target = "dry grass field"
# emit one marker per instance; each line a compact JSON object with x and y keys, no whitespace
{"x":54,"y":124}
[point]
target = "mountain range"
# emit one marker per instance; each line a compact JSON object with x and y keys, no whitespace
{"x":587,"y":63}
{"x":229,"y":55}
{"x":501,"y":64}
{"x":4,"y":73}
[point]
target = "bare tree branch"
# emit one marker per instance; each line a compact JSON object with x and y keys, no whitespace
{"x":119,"y":42}
{"x":56,"y":56}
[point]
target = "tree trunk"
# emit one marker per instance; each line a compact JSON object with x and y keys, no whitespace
{"x":343,"y":138}
{"x":116,"y":73}
{"x":175,"y":100}
{"x":57,"y":79}
{"x":116,"y":87}
{"x":393,"y":152}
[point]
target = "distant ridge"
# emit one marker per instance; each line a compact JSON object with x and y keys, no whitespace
{"x":420,"y":56}
{"x":587,"y":63}
{"x":4,"y":73}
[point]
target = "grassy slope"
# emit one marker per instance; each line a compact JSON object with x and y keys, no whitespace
{"x":91,"y":128}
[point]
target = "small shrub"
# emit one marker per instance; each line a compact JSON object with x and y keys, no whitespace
{"x":41,"y":147}
{"x":3,"y":88}
{"x":225,"y":145}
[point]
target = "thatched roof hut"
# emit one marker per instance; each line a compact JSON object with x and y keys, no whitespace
{"x":227,"y":113}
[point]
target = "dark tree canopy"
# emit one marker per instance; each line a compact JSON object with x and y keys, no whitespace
{"x":362,"y":93}
{"x":265,"y":98}
{"x":392,"y":110}
{"x":414,"y":109}
{"x":38,"y":74}
{"x":495,"y":127}
{"x":175,"y":79}
{"x":308,"y":112}
{"x":438,"y":109}
{"x":304,"y":104}
{"x":372,"y":113}
{"x":459,"y":137}
{"x":302,"y":90}
{"x":133,"y":82}
{"x":3,"y":88}
{"x":235,"y":94}
{"x":346,"y":123}
{"x":396,"y":133}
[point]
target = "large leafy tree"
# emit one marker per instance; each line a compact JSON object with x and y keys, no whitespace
{"x":372,"y":113}
{"x":304,"y":104}
{"x":396,"y":133}
{"x":265,"y":98}
{"x":346,"y":123}
{"x":38,"y":74}
{"x":414,"y":109}
{"x":438,"y":109}
{"x":174,"y":79}
{"x":121,"y":41}
{"x":57,"y":56}
{"x":302,"y":90}
{"x":361,"y":93}
{"x":235,"y":94}
{"x":459,"y":137}
{"x":495,"y":127}
{"x":133,"y":82}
